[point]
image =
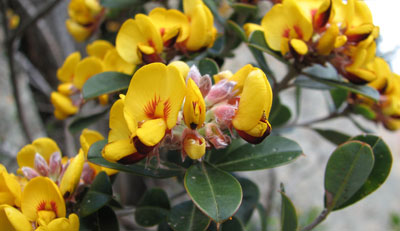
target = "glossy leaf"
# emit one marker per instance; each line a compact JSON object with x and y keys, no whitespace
{"x":153,"y":208}
{"x":251,"y":195}
{"x":233,"y":224}
{"x":339,"y":96}
{"x":280,"y":116}
{"x":105,"y":83}
{"x":380,"y":170}
{"x":347,"y":170}
{"x":272,"y":152}
{"x":243,"y":8}
{"x":80,"y":123}
{"x":333,"y":136}
{"x":164,"y":170}
{"x":155,"y":197}
{"x":365,"y":111}
{"x":238,"y":30}
{"x":305,"y":82}
{"x":119,"y":3}
{"x":99,"y":194}
{"x":288,"y":214}
{"x":215,"y":192}
{"x":187,"y":217}
{"x":208,"y":66}
{"x":102,"y":220}
{"x":360,"y":126}
{"x":257,"y":37}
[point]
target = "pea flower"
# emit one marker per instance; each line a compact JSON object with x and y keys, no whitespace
{"x":12,"y":219}
{"x":10,"y":189}
{"x":72,"y":175}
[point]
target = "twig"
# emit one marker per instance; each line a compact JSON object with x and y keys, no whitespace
{"x":317,"y":221}
{"x":285,"y":81}
{"x":328,"y":117}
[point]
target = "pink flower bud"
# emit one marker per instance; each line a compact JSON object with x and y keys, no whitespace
{"x":29,"y":172}
{"x":221,"y":91}
{"x":88,"y":174}
{"x":55,"y":166}
{"x":224,"y":114}
{"x":41,"y":165}
{"x":205,"y":85}
{"x":216,"y":136}
{"x":194,"y":74}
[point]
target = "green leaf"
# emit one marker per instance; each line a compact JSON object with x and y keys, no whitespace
{"x":105,"y":83}
{"x":298,"y":102}
{"x":243,"y":8}
{"x":164,"y":170}
{"x":153,"y":208}
{"x":99,"y":194}
{"x":238,"y":30}
{"x":187,"y":217}
{"x":305,"y":82}
{"x":208,"y":66}
{"x":257,"y":41}
{"x":233,"y":224}
{"x":119,"y":3}
{"x":272,"y":152}
{"x":339,"y":96}
{"x":288,"y":214}
{"x":80,"y":123}
{"x":263,"y":216}
{"x":251,"y":195}
{"x":155,"y":197}
{"x":280,"y":117}
{"x":365,"y":111}
{"x":215,"y":192}
{"x":102,"y":220}
{"x":380,"y":170}
{"x":333,"y":136}
{"x":347,"y":170}
{"x":359,"y":126}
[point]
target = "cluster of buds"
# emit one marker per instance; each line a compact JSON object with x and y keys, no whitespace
{"x":37,"y":197}
{"x":387,"y":109}
{"x":162,"y":34}
{"x":323,"y":31}
{"x":102,"y":56}
{"x":85,"y":18}
{"x":151,"y":116}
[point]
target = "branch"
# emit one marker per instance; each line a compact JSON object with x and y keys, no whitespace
{"x":292,"y":73}
{"x":317,"y":221}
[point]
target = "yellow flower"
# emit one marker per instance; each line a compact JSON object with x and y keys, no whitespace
{"x":285,"y":24}
{"x":62,"y":224}
{"x":383,"y":73}
{"x":63,"y":105}
{"x":99,"y":48}
{"x":327,"y":42}
{"x":194,"y":145}
{"x":72,"y":175}
{"x":79,"y":32}
{"x":11,"y":219}
{"x":139,"y":40}
{"x":85,"y":69}
{"x":87,"y":138}
{"x":202,"y":32}
{"x":194,"y":109}
{"x":10,"y":189}
{"x":171,"y":24}
{"x":251,"y":27}
{"x":43,"y":146}
{"x":66,"y":72}
{"x":42,"y":201}
{"x":317,"y":11}
{"x":251,"y":118}
{"x":113,"y":62}
{"x":13,"y":19}
{"x":362,"y":55}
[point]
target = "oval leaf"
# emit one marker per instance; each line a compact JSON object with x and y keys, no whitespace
{"x":272,"y":152}
{"x":103,"y":220}
{"x":257,"y":41}
{"x":288,"y":214}
{"x":215,"y":192}
{"x":347,"y":170}
{"x":148,"y":216}
{"x":105,"y":83}
{"x":333,"y":136}
{"x":380,"y":171}
{"x":238,"y":30}
{"x":251,"y":194}
{"x":163,"y":170}
{"x":233,"y":224}
{"x":208,"y":66}
{"x":187,"y":217}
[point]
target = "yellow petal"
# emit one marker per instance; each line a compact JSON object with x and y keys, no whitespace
{"x":240,"y":76}
{"x":119,"y":129}
{"x":99,"y":48}
{"x":182,"y":67}
{"x":170,"y":22}
{"x":66,"y":88}
{"x":299,"y":46}
{"x":94,"y":6}
{"x":222,"y":75}
{"x":251,"y":27}
{"x":44,"y":146}
{"x":63,"y":104}
{"x":328,"y":40}
{"x":156,"y":91}
{"x":116,"y":150}
{"x":340,"y":41}
{"x":64,"y":224}
{"x":85,"y":69}
{"x":66,"y":72}
{"x":195,"y":149}
{"x":11,"y":219}
{"x":79,"y":12}
{"x":10,"y":190}
{"x":78,"y":32}
{"x":194,"y":109}
{"x":151,"y":132}
{"x":87,"y":138}
{"x":42,"y":194}
{"x":72,"y":175}
{"x":114,"y":62}
{"x":103,"y":99}
{"x":201,"y":28}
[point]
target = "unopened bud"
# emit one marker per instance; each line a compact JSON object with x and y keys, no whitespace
{"x":224,"y":114}
{"x":194,"y":145}
{"x":219,"y":92}
{"x":41,"y":165}
{"x":29,"y":172}
{"x":88,"y":174}
{"x":205,"y":85}
{"x":55,"y":166}
{"x":216,"y":136}
{"x":194,"y":74}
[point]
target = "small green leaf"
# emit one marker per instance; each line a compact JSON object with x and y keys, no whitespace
{"x":102,"y":220}
{"x":251,"y":195}
{"x":280,"y":117}
{"x":365,"y":111}
{"x":80,"y":123}
{"x":105,"y":83}
{"x":257,"y":41}
{"x":187,"y":217}
{"x":333,"y":136}
{"x":263,"y":216}
{"x":305,"y":82}
{"x":155,"y":197}
{"x":208,"y":66}
{"x":164,"y":170}
{"x":238,"y":30}
{"x":233,"y":224}
{"x":347,"y":170}
{"x":215,"y":192}
{"x":380,"y":170}
{"x":119,"y":3}
{"x":102,"y":184}
{"x":148,"y":216}
{"x":288,"y":214}
{"x":272,"y":152}
{"x":339,"y":96}
{"x":243,"y":8}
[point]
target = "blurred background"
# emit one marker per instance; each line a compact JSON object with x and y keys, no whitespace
{"x":43,"y":46}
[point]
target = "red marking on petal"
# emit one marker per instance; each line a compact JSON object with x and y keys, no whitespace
{"x":162,"y":31}
{"x":54,"y":207}
{"x":133,"y":158}
{"x":167,"y":109}
{"x":150,"y":108}
{"x":286,"y":33}
{"x":41,"y":206}
{"x":253,"y":139}
{"x":298,"y":31}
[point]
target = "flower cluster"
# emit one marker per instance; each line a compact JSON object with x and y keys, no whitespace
{"x":158,"y":37}
{"x":324,"y":31}
{"x":150,"y":115}
{"x":102,"y":56}
{"x":46,"y":181}
{"x":85,"y":17}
